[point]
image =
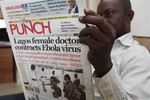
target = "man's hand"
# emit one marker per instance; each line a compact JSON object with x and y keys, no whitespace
{"x":99,"y":36}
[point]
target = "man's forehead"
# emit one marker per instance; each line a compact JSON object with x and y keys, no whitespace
{"x":111,"y":1}
{"x":71,"y":0}
{"x":110,"y":4}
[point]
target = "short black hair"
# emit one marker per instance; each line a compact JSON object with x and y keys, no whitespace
{"x":126,"y":4}
{"x":67,"y":76}
{"x":32,"y":67}
{"x":76,"y":75}
{"x":42,"y":69}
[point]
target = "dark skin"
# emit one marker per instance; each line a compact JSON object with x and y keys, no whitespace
{"x":110,"y":22}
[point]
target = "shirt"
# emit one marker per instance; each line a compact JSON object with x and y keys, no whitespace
{"x":129,"y":78}
{"x":73,"y":10}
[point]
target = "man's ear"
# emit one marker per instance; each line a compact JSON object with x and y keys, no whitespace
{"x":130,"y":15}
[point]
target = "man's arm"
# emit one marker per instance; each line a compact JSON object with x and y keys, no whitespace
{"x":100,"y":38}
{"x":133,"y":81}
{"x":112,"y":86}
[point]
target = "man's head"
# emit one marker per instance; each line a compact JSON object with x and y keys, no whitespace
{"x":67,"y":77}
{"x":76,"y":75}
{"x":42,"y":69}
{"x":72,"y":3}
{"x":118,"y":13}
{"x":32,"y":67}
{"x":53,"y":72}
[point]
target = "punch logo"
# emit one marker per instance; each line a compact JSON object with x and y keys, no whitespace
{"x":28,"y":26}
{"x":13,"y":7}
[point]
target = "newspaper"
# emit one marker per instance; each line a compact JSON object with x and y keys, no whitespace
{"x":51,"y":62}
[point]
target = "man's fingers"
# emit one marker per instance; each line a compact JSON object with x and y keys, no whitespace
{"x":90,"y":12}
{"x":90,"y":19}
{"x":87,"y":12}
{"x":101,"y":24}
{"x":94,"y":33}
{"x":90,"y":42}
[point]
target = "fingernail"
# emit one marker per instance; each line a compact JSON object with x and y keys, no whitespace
{"x":80,"y":18}
{"x":79,"y":35}
{"x":86,"y":9}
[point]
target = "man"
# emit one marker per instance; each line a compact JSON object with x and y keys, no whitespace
{"x":73,"y":7}
{"x":122,"y":66}
{"x":76,"y":81}
{"x":34,"y":79}
{"x":56,"y":77}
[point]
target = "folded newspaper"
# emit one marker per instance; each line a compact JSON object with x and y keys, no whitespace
{"x":51,"y":62}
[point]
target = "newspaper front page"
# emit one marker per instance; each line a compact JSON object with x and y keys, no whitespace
{"x":51,"y":62}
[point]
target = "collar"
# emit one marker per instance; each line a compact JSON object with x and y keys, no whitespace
{"x":73,"y":9}
{"x":126,"y":39}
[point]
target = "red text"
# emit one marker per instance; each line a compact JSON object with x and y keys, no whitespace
{"x":31,"y":27}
